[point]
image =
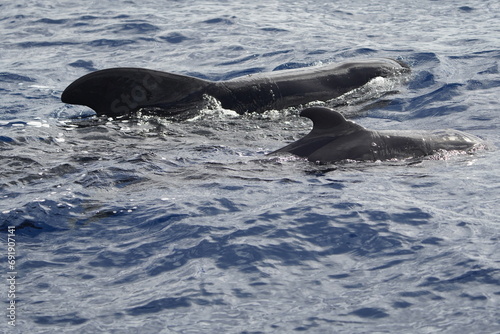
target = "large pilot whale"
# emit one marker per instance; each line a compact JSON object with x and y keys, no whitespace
{"x":121,"y":91}
{"x":334,"y":139}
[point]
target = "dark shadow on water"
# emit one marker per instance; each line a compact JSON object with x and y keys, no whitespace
{"x":370,"y":313}
{"x":62,"y":320}
{"x":480,"y":276}
{"x":413,"y":216}
{"x":159,"y":305}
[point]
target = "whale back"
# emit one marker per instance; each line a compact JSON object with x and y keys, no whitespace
{"x":121,"y":91}
{"x":286,"y":88}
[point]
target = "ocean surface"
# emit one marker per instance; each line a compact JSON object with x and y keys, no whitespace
{"x":153,"y":226}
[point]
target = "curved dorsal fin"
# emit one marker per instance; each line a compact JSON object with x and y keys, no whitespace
{"x":326,"y":119}
{"x":328,"y":125}
{"x":120,"y":91}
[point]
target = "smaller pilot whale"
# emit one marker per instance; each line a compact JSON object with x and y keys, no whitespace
{"x":334,"y":139}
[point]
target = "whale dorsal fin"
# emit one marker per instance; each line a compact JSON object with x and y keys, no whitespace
{"x":119,"y":91}
{"x":328,"y":125}
{"x":326,"y":120}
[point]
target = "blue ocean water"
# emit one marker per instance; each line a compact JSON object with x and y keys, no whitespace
{"x":153,"y":226}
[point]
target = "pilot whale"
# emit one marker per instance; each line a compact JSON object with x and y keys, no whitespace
{"x":334,"y":139}
{"x":121,"y":91}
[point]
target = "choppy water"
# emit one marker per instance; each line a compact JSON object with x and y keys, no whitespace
{"x":149,"y":226}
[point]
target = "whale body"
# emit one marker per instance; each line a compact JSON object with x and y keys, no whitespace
{"x":334,"y":139}
{"x":121,"y":91}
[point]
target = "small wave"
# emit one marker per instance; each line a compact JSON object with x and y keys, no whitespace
{"x":88,"y":65}
{"x":159,"y":305}
{"x":482,"y":84}
{"x":370,"y":313}
{"x":431,"y":104}
{"x":136,"y":28}
{"x":6,"y":139}
{"x":51,"y":21}
{"x":276,"y":30}
{"x":110,"y":42}
{"x":358,"y":52}
{"x":220,"y":20}
{"x":240,"y":61}
{"x":13,"y":77}
{"x":44,"y":44}
{"x":422,"y":79}
{"x":290,"y":65}
{"x":422,"y":58}
{"x":174,"y":38}
{"x":466,"y":9}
